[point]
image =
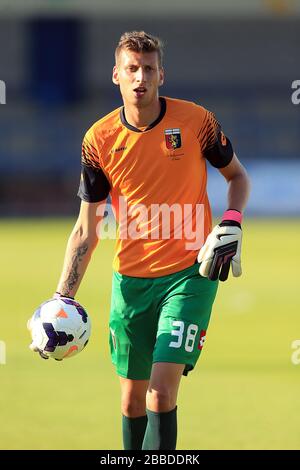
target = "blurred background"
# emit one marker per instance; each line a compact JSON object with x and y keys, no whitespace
{"x":238,"y":58}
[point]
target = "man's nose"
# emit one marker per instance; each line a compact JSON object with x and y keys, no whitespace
{"x":140,"y":75}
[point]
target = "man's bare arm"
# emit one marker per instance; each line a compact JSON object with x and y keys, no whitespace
{"x":81,"y":244}
{"x":238,"y":184}
{"x":222,"y":247}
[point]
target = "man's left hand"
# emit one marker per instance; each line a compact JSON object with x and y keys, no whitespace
{"x":222,"y":248}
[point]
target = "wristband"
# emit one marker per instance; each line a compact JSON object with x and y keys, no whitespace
{"x":233,"y":214}
{"x":61,"y":295}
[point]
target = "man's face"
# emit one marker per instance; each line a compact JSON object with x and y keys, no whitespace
{"x":138,"y":74}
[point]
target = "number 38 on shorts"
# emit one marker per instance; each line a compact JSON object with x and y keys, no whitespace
{"x":180,"y":341}
{"x":186,"y":337}
{"x":165,"y":322}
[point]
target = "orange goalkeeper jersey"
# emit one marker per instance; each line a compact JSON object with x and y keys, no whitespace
{"x":157,"y":182}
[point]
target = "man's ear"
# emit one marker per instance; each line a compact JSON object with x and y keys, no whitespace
{"x":115,"y":76}
{"x":161,"y":77}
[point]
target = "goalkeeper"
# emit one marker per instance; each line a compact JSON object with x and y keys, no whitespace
{"x":153,"y":151}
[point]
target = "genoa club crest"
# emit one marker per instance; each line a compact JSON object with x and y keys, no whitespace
{"x":173,"y":138}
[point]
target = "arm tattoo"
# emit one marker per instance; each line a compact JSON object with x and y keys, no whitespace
{"x":73,"y":274}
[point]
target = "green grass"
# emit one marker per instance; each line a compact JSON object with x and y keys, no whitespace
{"x":244,"y":393}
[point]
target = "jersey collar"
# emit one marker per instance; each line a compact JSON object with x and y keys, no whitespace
{"x":163,"y":107}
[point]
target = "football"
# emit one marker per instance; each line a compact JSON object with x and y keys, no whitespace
{"x":60,"y":328}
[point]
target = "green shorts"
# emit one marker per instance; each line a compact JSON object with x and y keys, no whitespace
{"x":161,"y":319}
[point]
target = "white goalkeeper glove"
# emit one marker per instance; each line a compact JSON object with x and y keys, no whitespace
{"x":222,"y":248}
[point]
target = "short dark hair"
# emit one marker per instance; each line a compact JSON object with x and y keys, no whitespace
{"x":139,"y":41}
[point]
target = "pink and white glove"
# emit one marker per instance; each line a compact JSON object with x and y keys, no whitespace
{"x":222,"y":248}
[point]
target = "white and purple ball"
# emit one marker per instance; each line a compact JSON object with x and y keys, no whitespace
{"x":60,"y":328}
